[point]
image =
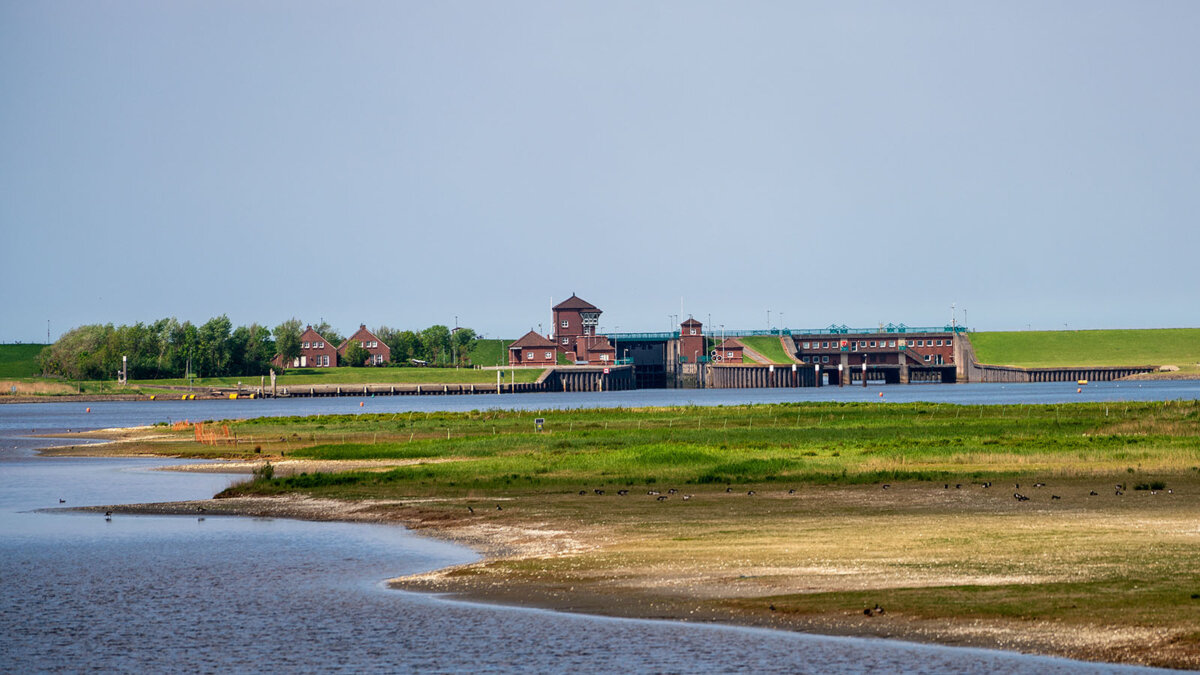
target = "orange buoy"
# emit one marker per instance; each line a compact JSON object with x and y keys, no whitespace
{"x":881,"y":393}
{"x":1079,"y":390}
{"x":89,"y":410}
{"x":360,"y":404}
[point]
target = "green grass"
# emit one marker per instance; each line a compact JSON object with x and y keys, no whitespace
{"x":18,"y":360}
{"x":302,"y":376}
{"x":768,"y":346}
{"x":1049,"y":349}
{"x":785,"y":443}
{"x":490,"y":352}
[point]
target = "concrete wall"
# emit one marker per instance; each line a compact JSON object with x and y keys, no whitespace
{"x":749,"y":376}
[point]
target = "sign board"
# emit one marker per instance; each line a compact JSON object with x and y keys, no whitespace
{"x":538,"y":423}
{"x":771,"y":369}
{"x":606,"y":371}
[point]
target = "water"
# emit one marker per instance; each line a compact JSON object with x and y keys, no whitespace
{"x":47,"y":416}
{"x":162,"y":593}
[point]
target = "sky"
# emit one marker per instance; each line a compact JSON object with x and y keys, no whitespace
{"x":1014,"y":165}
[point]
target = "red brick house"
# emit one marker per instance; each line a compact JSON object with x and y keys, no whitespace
{"x":380,"y":352}
{"x":315,"y":352}
{"x":691,"y":341}
{"x":730,"y":351}
{"x":574,"y":318}
{"x":532,"y":350}
{"x":597,"y":351}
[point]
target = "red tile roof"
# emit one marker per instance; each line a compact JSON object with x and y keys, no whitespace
{"x":575,"y":302}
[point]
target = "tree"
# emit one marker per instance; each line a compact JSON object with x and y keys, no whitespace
{"x":287,"y":340}
{"x":436,"y":341}
{"x":408,"y":346}
{"x":214,"y":351}
{"x":462,"y":340}
{"x":356,"y":355}
{"x":331,"y":336}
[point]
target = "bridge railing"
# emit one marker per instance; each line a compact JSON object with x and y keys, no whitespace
{"x":831,"y":330}
{"x":668,"y":335}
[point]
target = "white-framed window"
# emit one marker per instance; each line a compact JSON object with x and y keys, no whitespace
{"x":805,"y":345}
{"x":862,"y":343}
{"x":530,"y":356}
{"x":939,"y":343}
{"x":318,"y":345}
{"x":891,"y":343}
{"x":729,"y":355}
{"x":920,"y":343}
{"x":804,"y":359}
{"x":926,"y":357}
{"x":565,"y":323}
{"x":872,"y":343}
{"x":824,"y":345}
{"x":549,"y":355}
{"x":304,"y":345}
{"x":326,"y":359}
{"x":825,"y":359}
{"x":566,"y":341}
{"x":604,"y":357}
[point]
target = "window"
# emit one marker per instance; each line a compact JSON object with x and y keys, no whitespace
{"x":872,"y":343}
{"x":939,"y":343}
{"x":729,"y":355}
{"x":926,"y":357}
{"x":530,"y":356}
{"x":305,"y":345}
{"x":891,"y":343}
{"x":920,"y":343}
{"x":825,"y":359}
{"x":549,"y":355}
{"x":862,"y":343}
{"x":824,"y":345}
{"x":804,"y":359}
{"x":604,"y":357}
{"x":566,"y":341}
{"x":318,"y":345}
{"x":691,"y":331}
{"x":565,"y":323}
{"x":326,"y":359}
{"x":805,"y":345}
{"x":378,"y":359}
{"x":363,"y":343}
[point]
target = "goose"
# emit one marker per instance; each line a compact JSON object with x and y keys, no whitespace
{"x":1092,"y":493}
{"x":751,"y":492}
{"x":1055,"y":497}
{"x":582,"y":493}
{"x":728,"y":489}
{"x":686,"y":497}
{"x":792,"y":491}
{"x":660,"y":498}
{"x":61,"y":500}
{"x":622,"y":492}
{"x":499,"y":508}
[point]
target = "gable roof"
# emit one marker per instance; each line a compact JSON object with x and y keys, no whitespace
{"x":599,"y":343}
{"x":575,"y":302}
{"x":532,"y":340}
{"x":732,"y":343}
{"x":362,"y":334}
{"x":692,"y":322}
{"x":308,"y":330}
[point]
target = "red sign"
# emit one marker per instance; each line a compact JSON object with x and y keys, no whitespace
{"x":606,"y":371}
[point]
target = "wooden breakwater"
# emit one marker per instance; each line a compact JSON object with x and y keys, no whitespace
{"x":557,"y":379}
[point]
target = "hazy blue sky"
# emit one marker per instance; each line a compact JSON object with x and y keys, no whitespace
{"x":401,"y":163}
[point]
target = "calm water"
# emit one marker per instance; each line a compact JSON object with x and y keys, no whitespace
{"x":158,"y":594}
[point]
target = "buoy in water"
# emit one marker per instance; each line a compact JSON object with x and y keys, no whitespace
{"x":1078,"y":390}
{"x":89,"y":410}
{"x":360,"y":404}
{"x":881,"y":394}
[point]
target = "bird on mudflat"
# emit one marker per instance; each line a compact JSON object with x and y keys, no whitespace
{"x":792,"y":491}
{"x":470,"y":509}
{"x":62,"y":501}
{"x":622,"y":492}
{"x":499,"y":508}
{"x":751,"y":492}
{"x":886,"y":486}
{"x":660,"y":497}
{"x":1092,"y":493}
{"x":582,"y":493}
{"x":1055,"y":497}
{"x":728,"y":489}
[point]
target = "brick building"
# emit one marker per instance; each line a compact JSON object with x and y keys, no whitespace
{"x":532,"y":350}
{"x":574,"y":318}
{"x":596,"y":350}
{"x":730,"y":351}
{"x":692,"y":347}
{"x":929,"y":349}
{"x":315,"y":352}
{"x":380,"y":352}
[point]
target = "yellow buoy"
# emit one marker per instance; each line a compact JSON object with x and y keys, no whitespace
{"x":232,"y":396}
{"x":1081,"y":382}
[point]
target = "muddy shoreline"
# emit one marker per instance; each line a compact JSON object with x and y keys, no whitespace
{"x":499,"y":542}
